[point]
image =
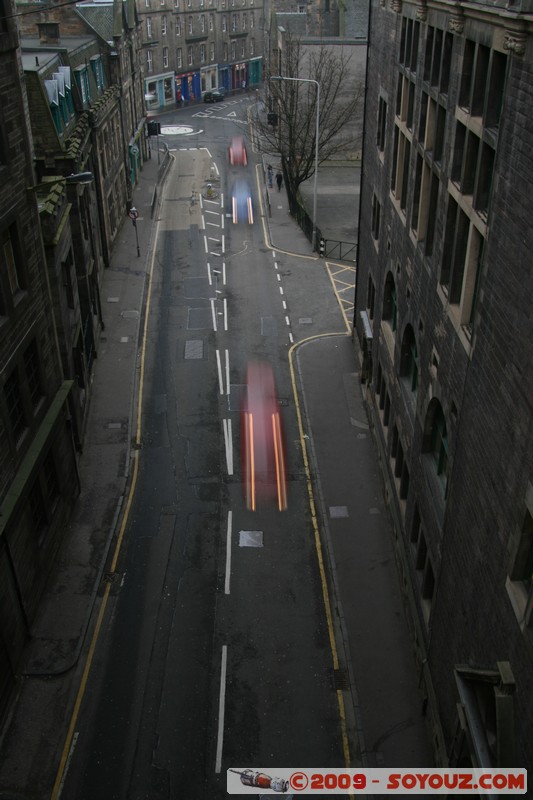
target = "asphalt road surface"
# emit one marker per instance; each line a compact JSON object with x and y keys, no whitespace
{"x":214,"y":651}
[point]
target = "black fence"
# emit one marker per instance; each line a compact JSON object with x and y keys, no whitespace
{"x":329,"y":248}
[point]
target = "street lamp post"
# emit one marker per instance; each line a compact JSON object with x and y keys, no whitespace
{"x":317,"y":131}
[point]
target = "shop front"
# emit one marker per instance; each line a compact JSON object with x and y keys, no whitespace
{"x":188,"y":87}
{"x":208,"y":78}
{"x":159,"y":91}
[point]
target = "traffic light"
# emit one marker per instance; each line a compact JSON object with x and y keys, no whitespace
{"x":154,"y":128}
{"x":272,"y":118}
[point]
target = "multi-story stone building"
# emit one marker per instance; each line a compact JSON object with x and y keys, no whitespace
{"x":64,"y":194}
{"x":192,"y":46}
{"x":38,"y":473}
{"x":443,"y":316}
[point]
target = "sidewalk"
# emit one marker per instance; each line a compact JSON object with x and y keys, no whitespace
{"x":355,"y":527}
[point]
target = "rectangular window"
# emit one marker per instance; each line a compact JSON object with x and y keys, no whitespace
{"x":189,"y":23}
{"x":148,"y":27}
{"x":82,"y":79}
{"x":163,"y":26}
{"x":417,"y":185}
{"x":252,"y":47}
{"x":405,"y":173}
{"x":202,"y":53}
{"x":149,"y":61}
{"x":382,"y":122}
{"x":435,"y":62}
{"x":165,"y":57}
{"x":376,"y":212}
{"x":202,"y":23}
{"x":432,"y":215}
{"x":466,"y":73}
{"x":428,"y":53}
{"x":484,"y":179}
{"x":410,"y":105}
{"x":498,"y":69}
{"x":178,"y":27}
{"x":224,"y":25}
{"x":370,"y":297}
{"x":179,"y":57}
{"x":480,"y":80}
{"x":211,"y":22}
{"x":98,"y":72}
{"x":446,"y":63}
{"x":440,"y":127}
{"x":212,"y":51}
{"x":189,"y":55}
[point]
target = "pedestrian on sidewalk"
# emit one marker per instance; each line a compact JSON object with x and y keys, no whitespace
{"x":279,"y":180}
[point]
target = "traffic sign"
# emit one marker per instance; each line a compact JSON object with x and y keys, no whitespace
{"x":133,"y":213}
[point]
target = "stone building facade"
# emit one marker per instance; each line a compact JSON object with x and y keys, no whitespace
{"x":38,"y":471}
{"x":191,"y":46}
{"x":444,"y":322}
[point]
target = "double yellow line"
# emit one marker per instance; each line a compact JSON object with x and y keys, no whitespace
{"x":65,"y":754}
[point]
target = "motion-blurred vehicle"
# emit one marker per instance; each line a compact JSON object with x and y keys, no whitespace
{"x":237,"y":153}
{"x":214,"y":95}
{"x":262,"y":442}
{"x":242,"y":209}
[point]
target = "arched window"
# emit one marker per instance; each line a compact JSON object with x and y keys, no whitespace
{"x":409,"y":358}
{"x":389,"y":302}
{"x":436,"y":440}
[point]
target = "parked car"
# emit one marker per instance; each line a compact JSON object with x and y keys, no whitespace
{"x":214,"y":95}
{"x":241,"y":202}
{"x":237,"y":153}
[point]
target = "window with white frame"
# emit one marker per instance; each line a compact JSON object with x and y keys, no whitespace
{"x":178,"y":27}
{"x":202,"y":23}
{"x":233,"y":51}
{"x":251,"y":20}
{"x":189,"y":55}
{"x":149,"y":61}
{"x":244,"y":21}
{"x":189,"y":24}
{"x":212,"y":51}
{"x":179,"y":57}
{"x":149,"y":27}
{"x":176,"y":4}
{"x":165,"y":57}
{"x":224,"y":23}
{"x":252,"y":46}
{"x":202,"y":53}
{"x":234,"y":22}
{"x":242,"y":48}
{"x":163,"y":25}
{"x":147,"y":3}
{"x":211,"y":21}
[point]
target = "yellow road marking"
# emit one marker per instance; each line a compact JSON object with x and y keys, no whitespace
{"x":60,"y":776}
{"x":318,"y":542}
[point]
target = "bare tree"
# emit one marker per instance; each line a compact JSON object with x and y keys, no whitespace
{"x":294,"y":104}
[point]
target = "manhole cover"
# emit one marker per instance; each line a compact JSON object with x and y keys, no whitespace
{"x":250,"y":538}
